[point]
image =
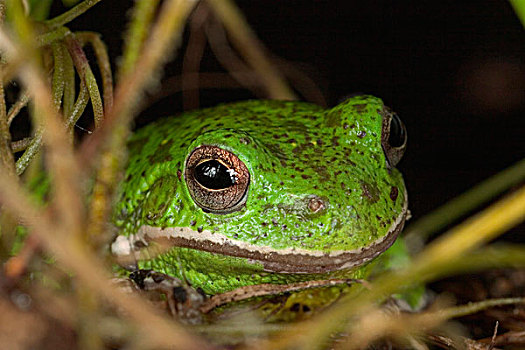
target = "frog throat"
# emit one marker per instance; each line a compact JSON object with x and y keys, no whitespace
{"x":289,"y":260}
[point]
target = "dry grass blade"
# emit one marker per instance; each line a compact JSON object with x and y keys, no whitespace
{"x":252,"y":49}
{"x":87,"y":268}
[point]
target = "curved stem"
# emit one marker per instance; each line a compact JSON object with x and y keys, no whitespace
{"x":85,"y":72}
{"x":20,"y":145}
{"x":69,"y":83}
{"x":57,"y":86}
{"x":78,"y":107}
{"x":70,"y":15}
{"x":101,"y":53}
{"x":17,"y":106}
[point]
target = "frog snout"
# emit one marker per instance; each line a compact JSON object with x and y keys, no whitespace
{"x":316,"y":204}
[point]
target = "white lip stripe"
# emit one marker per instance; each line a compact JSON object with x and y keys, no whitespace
{"x":207,"y":238}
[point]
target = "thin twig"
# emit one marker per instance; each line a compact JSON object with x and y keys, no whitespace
{"x":192,"y":58}
{"x":20,"y":145}
{"x":252,"y":49}
{"x":70,"y":15}
{"x":22,"y":101}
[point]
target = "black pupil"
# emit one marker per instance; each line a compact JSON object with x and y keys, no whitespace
{"x":397,"y":132}
{"x":214,"y":175}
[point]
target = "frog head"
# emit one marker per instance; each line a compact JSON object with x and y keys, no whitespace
{"x":289,"y":186}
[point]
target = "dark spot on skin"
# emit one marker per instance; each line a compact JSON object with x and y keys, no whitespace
{"x":319,"y":142}
{"x":179,"y":174}
{"x":394,"y":192}
{"x":264,"y":224}
{"x":306,"y":308}
{"x":193,"y":223}
{"x":292,"y":176}
{"x":361,"y":134}
{"x":283,"y":162}
{"x":227,"y":136}
{"x":284,"y":227}
{"x":275,"y":136}
{"x":292,"y":141}
{"x":244,"y":141}
{"x":179,"y":294}
{"x":275,"y":222}
{"x":378,"y":217}
{"x":304,"y":176}
{"x":281,"y":183}
{"x":345,"y":126}
{"x":370,"y":192}
{"x":143,"y":173}
{"x":200,"y":229}
{"x":335,"y":141}
{"x":360,"y":108}
{"x":316,"y":187}
{"x":295,"y":307}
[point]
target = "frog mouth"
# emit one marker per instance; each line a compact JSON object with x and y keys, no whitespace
{"x":289,"y":260}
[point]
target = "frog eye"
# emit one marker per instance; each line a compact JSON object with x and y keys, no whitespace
{"x":217,"y":179}
{"x":393,"y":137}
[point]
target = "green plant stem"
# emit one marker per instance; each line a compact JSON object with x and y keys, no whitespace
{"x":69,"y":83}
{"x":51,"y":37}
{"x":101,"y":53}
{"x":464,"y":203}
{"x":135,"y":35}
{"x":84,"y":71}
{"x":245,"y":40}
{"x":472,"y":308}
{"x":70,"y":15}
{"x":519,"y":8}
{"x":78,"y":107}
{"x":30,"y":152}
{"x":57,"y":86}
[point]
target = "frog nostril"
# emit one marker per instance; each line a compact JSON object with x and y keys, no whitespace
{"x":316,"y":204}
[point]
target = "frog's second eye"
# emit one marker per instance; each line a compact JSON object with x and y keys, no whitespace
{"x":217,"y":179}
{"x":393,"y":137}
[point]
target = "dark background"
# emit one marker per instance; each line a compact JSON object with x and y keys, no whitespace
{"x":453,"y":71}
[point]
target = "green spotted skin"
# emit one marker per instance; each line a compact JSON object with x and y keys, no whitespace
{"x":294,"y":152}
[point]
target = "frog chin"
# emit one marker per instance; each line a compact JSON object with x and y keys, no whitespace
{"x":288,"y":260}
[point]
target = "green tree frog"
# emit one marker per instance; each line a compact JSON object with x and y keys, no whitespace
{"x":263,"y":192}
